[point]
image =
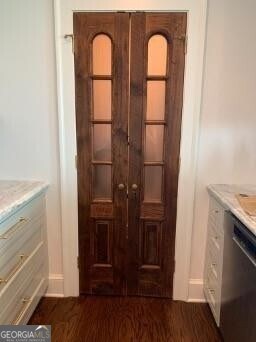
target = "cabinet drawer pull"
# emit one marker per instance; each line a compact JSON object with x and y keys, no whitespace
{"x":25,"y":302}
{"x":13,"y":229}
{"x":211,"y":291}
{"x":214,"y":264}
{"x":14,"y":270}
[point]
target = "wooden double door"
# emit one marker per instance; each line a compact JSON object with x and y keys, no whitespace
{"x":129,"y":83}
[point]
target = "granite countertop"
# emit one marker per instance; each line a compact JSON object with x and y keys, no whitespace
{"x":14,"y":194}
{"x":225,"y":194}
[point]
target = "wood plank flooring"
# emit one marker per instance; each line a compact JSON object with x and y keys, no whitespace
{"x":125,"y":319}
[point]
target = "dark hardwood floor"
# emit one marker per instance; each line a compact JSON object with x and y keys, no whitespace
{"x":125,"y":319}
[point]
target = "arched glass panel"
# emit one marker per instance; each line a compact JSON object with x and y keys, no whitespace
{"x":101,"y":55}
{"x":157,"y":55}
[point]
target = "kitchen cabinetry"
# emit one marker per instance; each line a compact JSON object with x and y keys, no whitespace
{"x":214,"y":257}
{"x":23,"y":250}
{"x":224,"y":277}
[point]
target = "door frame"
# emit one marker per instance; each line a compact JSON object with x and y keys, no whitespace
{"x":194,"y":61}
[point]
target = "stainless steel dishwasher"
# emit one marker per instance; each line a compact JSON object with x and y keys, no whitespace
{"x":238,"y":299}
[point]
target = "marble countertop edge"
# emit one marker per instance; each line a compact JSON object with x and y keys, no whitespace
{"x":15,"y":194}
{"x":225,"y":194}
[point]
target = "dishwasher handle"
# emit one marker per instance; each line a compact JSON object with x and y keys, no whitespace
{"x":243,"y":248}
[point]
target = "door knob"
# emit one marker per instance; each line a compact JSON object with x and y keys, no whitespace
{"x":121,"y":186}
{"x":134,"y":187}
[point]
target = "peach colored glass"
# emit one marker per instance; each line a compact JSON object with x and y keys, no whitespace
{"x":155,"y":100}
{"x":153,"y":184}
{"x":101,"y":55}
{"x":102,"y":181}
{"x":154,"y":143}
{"x":157,"y":55}
{"x":102,"y":142}
{"x":102,"y":99}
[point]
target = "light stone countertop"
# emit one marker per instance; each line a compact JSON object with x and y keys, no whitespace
{"x":225,"y":194}
{"x":15,"y":194}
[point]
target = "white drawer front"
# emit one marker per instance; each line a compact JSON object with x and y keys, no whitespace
{"x":29,"y":307}
{"x":13,"y":255}
{"x":214,"y":257}
{"x":216,"y":215}
{"x":216,"y":238}
{"x":16,"y":296}
{"x":214,"y":265}
{"x":212,"y":292}
{"x":14,"y":227}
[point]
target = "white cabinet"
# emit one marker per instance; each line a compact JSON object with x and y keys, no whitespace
{"x":214,"y":257}
{"x":23,"y":261}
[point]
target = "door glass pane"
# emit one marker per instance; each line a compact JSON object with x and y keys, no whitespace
{"x":102,"y":181}
{"x":154,"y":143}
{"x":102,"y":142}
{"x":153,"y":183}
{"x":102,"y":99}
{"x":157,"y":55}
{"x":101,"y":55}
{"x":155,"y":100}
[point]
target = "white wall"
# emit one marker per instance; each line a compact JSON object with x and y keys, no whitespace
{"x":28,"y":110}
{"x":227,"y":145}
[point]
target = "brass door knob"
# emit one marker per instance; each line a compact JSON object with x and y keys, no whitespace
{"x":134,"y":187}
{"x":121,"y":186}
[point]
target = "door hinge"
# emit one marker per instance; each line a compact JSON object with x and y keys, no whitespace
{"x":78,"y":263}
{"x":128,"y":140}
{"x":76,"y":161}
{"x":68,"y":37}
{"x":186,"y":45}
{"x":184,"y":38}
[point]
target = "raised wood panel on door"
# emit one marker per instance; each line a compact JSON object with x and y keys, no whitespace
{"x":102,"y":223}
{"x":152,"y":223}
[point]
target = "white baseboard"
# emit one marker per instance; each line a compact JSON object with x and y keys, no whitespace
{"x":195,"y":292}
{"x":56,"y":286}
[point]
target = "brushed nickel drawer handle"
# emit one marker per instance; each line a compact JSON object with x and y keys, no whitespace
{"x":13,"y":229}
{"x":14,"y":270}
{"x":25,"y":302}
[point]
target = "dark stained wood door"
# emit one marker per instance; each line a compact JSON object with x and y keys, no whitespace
{"x":101,"y":78}
{"x":156,"y":88}
{"x":128,"y":69}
